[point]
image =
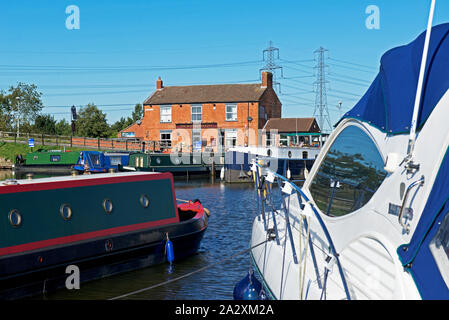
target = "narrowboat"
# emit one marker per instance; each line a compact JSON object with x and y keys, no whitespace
{"x":371,"y":220}
{"x":55,"y":161}
{"x":103,"y":224}
{"x":99,"y":162}
{"x":176,"y":163}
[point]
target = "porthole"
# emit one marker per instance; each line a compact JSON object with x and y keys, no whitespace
{"x":158,"y":160}
{"x":289,"y":154}
{"x":65,"y":211}
{"x":107,"y":205}
{"x":15,"y":218}
{"x":144,"y":201}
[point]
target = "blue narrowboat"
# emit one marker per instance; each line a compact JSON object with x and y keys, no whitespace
{"x":99,"y":162}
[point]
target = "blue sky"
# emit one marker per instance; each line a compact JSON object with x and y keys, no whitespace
{"x":112,"y":59}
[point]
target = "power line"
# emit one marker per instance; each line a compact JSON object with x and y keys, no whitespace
{"x":297,"y":63}
{"x":348,"y":82}
{"x":98,"y":105}
{"x":344,"y":92}
{"x":30,"y":68}
{"x":350,"y":77}
{"x":94,"y":93}
{"x":354,"y":64}
{"x":351,"y":68}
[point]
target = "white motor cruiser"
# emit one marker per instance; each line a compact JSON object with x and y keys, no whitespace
{"x":371,"y":220}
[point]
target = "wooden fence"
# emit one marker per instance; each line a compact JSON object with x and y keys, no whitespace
{"x":82,"y":142}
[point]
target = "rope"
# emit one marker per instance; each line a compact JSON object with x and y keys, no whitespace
{"x":190,"y":273}
{"x":305,"y":257}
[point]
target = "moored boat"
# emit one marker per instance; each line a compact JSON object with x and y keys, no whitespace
{"x":100,"y":162}
{"x":54,"y":161}
{"x":175,"y":163}
{"x":103,"y":224}
{"x":372,"y":219}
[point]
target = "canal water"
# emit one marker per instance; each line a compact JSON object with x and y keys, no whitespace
{"x":233,"y":208}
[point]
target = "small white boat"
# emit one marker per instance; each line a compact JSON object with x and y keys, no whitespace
{"x":371,"y":220}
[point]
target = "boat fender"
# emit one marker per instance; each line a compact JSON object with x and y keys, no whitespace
{"x":222,"y":173}
{"x":207,"y":211}
{"x":289,"y":174}
{"x":306,"y":173}
{"x":249,"y":288}
{"x":169,"y":250}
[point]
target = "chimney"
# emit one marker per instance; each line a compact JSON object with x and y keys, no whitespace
{"x":159,"y":85}
{"x":267,"y":79}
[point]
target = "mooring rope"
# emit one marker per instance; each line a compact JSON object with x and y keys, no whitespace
{"x":190,"y":273}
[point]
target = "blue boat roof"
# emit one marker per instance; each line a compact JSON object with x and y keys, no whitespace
{"x":388,"y":103}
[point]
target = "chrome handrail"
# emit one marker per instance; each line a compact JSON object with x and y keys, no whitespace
{"x":322,"y":225}
{"x":406,"y":227}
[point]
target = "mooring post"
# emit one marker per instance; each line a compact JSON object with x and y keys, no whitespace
{"x":212,"y":169}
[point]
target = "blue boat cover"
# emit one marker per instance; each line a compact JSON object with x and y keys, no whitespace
{"x":388,"y":103}
{"x":416,"y":256}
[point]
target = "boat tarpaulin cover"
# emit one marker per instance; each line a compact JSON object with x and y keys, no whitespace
{"x":416,"y":256}
{"x":388,"y":104}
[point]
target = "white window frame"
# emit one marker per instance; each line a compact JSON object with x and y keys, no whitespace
{"x":166,"y":142}
{"x":165,"y":112}
{"x":233,"y":113}
{"x":196,"y":116}
{"x":230,"y":136}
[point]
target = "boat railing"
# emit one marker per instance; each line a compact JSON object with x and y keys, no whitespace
{"x":264,"y":180}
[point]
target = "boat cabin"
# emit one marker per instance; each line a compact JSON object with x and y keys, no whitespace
{"x":96,"y":162}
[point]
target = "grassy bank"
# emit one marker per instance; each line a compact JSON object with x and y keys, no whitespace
{"x":9,"y":150}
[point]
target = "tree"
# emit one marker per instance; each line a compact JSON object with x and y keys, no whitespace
{"x":120,"y":125}
{"x":63,"y":128}
{"x":92,"y":122}
{"x":5,"y":111}
{"x":24,"y":103}
{"x":45,"y":123}
{"x":137,"y":113}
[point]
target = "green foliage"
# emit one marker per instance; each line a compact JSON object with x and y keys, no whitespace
{"x":45,"y":123}
{"x":120,"y":125}
{"x":63,"y":128}
{"x":24,"y":103}
{"x":137,"y":113}
{"x":92,"y":123}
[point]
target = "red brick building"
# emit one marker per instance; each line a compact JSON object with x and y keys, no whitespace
{"x":204,"y":116}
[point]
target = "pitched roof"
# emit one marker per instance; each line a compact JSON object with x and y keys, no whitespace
{"x":206,"y":93}
{"x":292,"y":125}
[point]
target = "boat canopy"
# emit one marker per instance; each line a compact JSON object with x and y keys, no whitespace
{"x":388,"y":104}
{"x":426,"y":257}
